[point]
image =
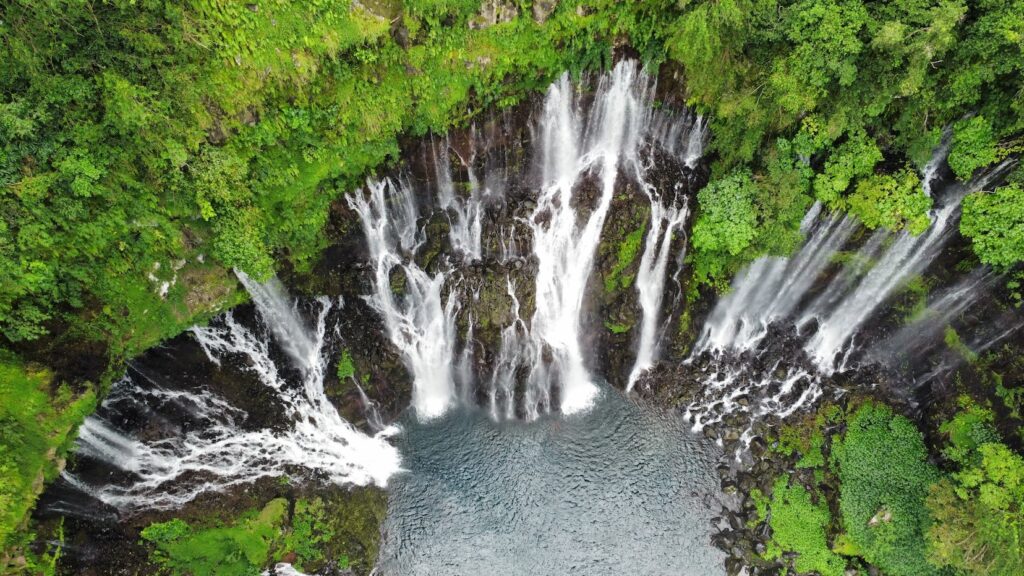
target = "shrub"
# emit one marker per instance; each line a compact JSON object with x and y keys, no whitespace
{"x":994,"y":222}
{"x":884,"y":477}
{"x":798,"y":525}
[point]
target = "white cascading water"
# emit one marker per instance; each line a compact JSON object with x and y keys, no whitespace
{"x":779,"y":289}
{"x":580,"y":145}
{"x":937,"y":160}
{"x":564,"y":247}
{"x":222,"y":453}
{"x":908,"y":255}
{"x":650,"y":278}
{"x":464,"y":213}
{"x":695,"y":142}
{"x":420,"y":322}
{"x":771,"y":288}
{"x":515,"y":351}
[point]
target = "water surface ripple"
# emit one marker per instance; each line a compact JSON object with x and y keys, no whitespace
{"x":619,"y":489}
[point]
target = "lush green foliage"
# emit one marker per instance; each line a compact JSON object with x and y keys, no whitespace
{"x":850,"y":80}
{"x":978,"y":510}
{"x":798,"y":525}
{"x":727,"y":222}
{"x":37,"y":424}
{"x":310,"y":532}
{"x":346,"y":367}
{"x":995,"y":224}
{"x":241,"y":549}
{"x":340,"y":527}
{"x":884,"y":477}
{"x":626,"y":254}
{"x":974,"y":146}
{"x":893,"y":201}
{"x":140,"y":137}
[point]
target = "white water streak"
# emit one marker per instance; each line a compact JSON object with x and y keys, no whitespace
{"x":563,"y":246}
{"x":650,"y":278}
{"x":172,"y":471}
{"x":420,"y":323}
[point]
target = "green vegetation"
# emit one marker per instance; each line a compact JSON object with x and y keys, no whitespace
{"x":897,"y":511}
{"x":727,"y":222}
{"x":974,"y":146}
{"x":995,"y":224}
{"x":310,"y":532}
{"x":798,"y":525}
{"x":626,"y":254}
{"x":37,"y":425}
{"x":617,"y":327}
{"x":140,"y":138}
{"x":893,"y":201}
{"x":884,"y":475}
{"x":849,"y":82}
{"x":346,"y":366}
{"x":338,"y":527}
{"x":241,"y":549}
{"x":979,"y":509}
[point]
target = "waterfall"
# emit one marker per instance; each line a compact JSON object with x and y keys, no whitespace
{"x":650,"y":278}
{"x":218,"y":452}
{"x":771,"y":288}
{"x":908,"y":255}
{"x":464,"y":214}
{"x":695,"y":142}
{"x":788,"y":292}
{"x":565,"y":248}
{"x":283,"y":319}
{"x":420,"y":323}
{"x":937,"y":161}
{"x":515,"y":351}
{"x":588,"y":146}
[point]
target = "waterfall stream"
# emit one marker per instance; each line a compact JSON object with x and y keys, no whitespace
{"x":826,"y":318}
{"x":588,"y":147}
{"x":214,"y":448}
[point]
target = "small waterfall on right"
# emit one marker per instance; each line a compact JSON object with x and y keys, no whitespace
{"x":908,"y":255}
{"x":773,"y":343}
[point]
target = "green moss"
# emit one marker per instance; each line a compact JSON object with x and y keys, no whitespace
{"x":760,"y":506}
{"x":336,"y":527}
{"x":240,"y":549}
{"x":37,"y":425}
{"x":798,"y":526}
{"x":626,"y":254}
{"x":953,"y":341}
{"x":346,"y":367}
{"x":310,"y":531}
{"x":617,"y":327}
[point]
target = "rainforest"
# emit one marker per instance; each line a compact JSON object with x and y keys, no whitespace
{"x":464,"y":287}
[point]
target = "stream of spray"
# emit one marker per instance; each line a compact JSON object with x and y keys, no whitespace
{"x":220,"y":452}
{"x":464,"y":213}
{"x":650,"y":278}
{"x":571,"y":148}
{"x":771,"y":288}
{"x":937,"y":160}
{"x":782,"y":291}
{"x":420,"y":322}
{"x":908,"y":255}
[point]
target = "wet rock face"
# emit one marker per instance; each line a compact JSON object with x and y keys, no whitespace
{"x":494,"y":163}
